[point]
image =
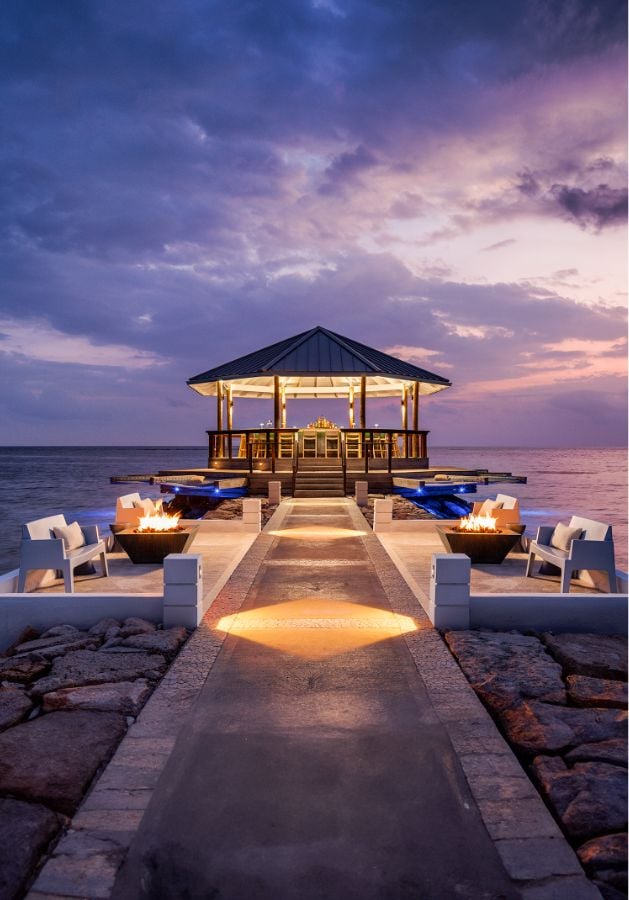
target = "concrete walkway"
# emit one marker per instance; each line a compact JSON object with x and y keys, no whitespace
{"x":312,"y":764}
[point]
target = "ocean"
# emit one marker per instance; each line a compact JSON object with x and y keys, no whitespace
{"x":42,"y":481}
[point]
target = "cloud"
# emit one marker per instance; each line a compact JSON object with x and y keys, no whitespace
{"x":38,"y":341}
{"x":183,"y":183}
{"x":598,"y":207}
{"x":499,"y":245}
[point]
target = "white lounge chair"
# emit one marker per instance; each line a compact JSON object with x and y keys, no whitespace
{"x":594,"y":550}
{"x":507,"y":513}
{"x":40,"y":549}
{"x":129,"y":509}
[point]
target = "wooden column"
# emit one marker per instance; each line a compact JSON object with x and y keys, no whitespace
{"x":229,"y":406}
{"x":219,"y":419}
{"x":415,"y":426}
{"x":363,"y":404}
{"x":351,"y":419}
{"x":405,"y":418}
{"x":219,"y":405}
{"x":283,"y":398}
{"x":277,"y":403}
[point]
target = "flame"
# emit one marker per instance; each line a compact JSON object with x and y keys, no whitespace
{"x":478,"y":524}
{"x":159,"y":522}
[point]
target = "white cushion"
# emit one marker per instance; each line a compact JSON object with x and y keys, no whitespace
{"x":563,"y":535}
{"x":488,"y":507}
{"x":147,"y":506}
{"x":71,"y":534}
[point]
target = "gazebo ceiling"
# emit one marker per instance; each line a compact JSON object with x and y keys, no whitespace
{"x":316,"y":364}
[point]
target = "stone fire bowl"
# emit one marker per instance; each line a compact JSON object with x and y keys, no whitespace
{"x":153,"y":547}
{"x":489,"y":548}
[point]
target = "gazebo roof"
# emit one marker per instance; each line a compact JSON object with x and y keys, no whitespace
{"x":316,"y":363}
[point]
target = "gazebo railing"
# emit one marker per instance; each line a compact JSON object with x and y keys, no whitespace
{"x":265,"y":446}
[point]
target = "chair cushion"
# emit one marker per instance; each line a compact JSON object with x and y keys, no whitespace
{"x":147,"y":506}
{"x":72,"y":535}
{"x":488,"y":506}
{"x":563,"y":535}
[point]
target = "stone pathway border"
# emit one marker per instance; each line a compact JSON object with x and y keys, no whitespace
{"x":530,"y":843}
{"x":86,"y":860}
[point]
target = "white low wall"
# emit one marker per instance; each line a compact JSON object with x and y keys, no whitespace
{"x":180,"y":604}
{"x":452,"y":606}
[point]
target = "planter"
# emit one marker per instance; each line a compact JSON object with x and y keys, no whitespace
{"x":489,"y":548}
{"x":147,"y":547}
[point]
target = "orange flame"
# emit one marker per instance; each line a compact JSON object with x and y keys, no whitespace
{"x":159,"y":522}
{"x":478,"y":524}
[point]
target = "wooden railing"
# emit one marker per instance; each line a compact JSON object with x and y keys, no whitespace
{"x":252,"y":445}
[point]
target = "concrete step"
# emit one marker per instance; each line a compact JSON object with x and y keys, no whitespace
{"x":318,"y":493}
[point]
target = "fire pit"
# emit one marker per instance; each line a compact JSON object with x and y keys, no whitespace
{"x":155,"y":537}
{"x":480,"y":539}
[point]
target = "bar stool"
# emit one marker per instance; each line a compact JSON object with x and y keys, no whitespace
{"x":332,"y":444}
{"x":309,"y":447}
{"x":285,"y":447}
{"x":353,"y":444}
{"x":379,"y":446}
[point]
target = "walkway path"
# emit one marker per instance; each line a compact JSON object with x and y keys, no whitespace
{"x":312,"y":764}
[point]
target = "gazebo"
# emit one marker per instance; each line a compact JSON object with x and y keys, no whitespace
{"x":318,"y":364}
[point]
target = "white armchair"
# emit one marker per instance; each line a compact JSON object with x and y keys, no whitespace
{"x":40,"y":549}
{"x":507,"y":513}
{"x":129,"y":509}
{"x":594,"y":550}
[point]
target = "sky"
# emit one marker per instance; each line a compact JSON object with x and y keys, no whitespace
{"x":184,"y":182}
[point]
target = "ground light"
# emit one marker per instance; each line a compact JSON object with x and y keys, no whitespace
{"x":317,"y":628}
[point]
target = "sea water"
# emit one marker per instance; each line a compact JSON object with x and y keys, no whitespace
{"x":42,"y":481}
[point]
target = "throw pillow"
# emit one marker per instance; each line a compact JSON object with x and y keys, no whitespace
{"x":489,"y":506}
{"x":71,"y":535}
{"x":147,"y":506}
{"x":563,"y":535}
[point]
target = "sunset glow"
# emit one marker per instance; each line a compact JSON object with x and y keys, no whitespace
{"x":443,"y":181}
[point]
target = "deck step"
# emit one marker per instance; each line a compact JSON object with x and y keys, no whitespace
{"x":318,"y":493}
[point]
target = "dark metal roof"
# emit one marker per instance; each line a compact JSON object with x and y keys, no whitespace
{"x":317,"y":351}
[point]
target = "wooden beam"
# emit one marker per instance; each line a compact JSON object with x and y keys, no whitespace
{"x":363,"y":403}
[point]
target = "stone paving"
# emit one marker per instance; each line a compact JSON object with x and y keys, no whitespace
{"x":315,"y":738}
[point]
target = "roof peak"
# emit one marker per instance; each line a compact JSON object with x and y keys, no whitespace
{"x":319,"y":351}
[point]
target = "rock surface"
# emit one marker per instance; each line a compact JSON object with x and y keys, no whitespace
{"x":23,"y":670}
{"x":142,"y":625}
{"x":53,"y":758}
{"x":167,"y":642}
{"x":505,"y":667}
{"x":93,"y":667}
{"x":14,"y":705}
{"x":590,"y":798}
{"x":586,"y":691}
{"x":26,"y":829}
{"x":613,"y":751}
{"x":60,"y":629}
{"x":64,"y":645}
{"x":44,"y":643}
{"x":596,"y":655}
{"x":537,"y":727}
{"x":608,"y":851}
{"x":103,"y":626}
{"x":126,"y":697}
